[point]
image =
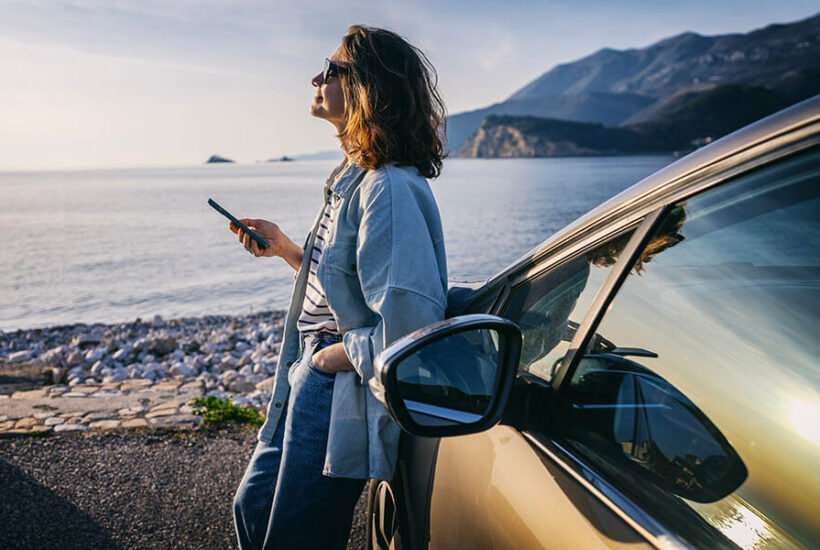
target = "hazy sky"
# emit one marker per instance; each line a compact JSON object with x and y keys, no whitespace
{"x":86,"y":83}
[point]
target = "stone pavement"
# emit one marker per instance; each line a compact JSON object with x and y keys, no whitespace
{"x":130,"y":403}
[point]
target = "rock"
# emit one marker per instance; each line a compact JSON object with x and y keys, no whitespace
{"x":175,"y":420}
{"x":97,"y":368}
{"x":29,"y":394}
{"x":20,"y":356}
{"x":163,"y":412}
{"x":74,"y":394}
{"x":85,"y":340}
{"x":266,"y":384}
{"x":131,"y":411}
{"x":107,"y":424}
{"x":39,"y":429}
{"x":196,"y":385}
{"x":116,"y":376}
{"x":57,"y":375}
{"x":134,"y":423}
{"x":142,"y":344}
{"x":240,"y":385}
{"x":52,"y":356}
{"x":164,"y":346}
{"x":168,"y":385}
{"x":44,"y":415}
{"x":53,"y":421}
{"x":94,"y":355}
{"x":240,"y":400}
{"x":74,"y":358}
{"x":208,"y":348}
{"x":70,"y":428}
{"x":121,"y":354}
{"x":132,"y":385}
{"x":169,"y":405}
{"x":106,"y":393}
{"x":157,"y":322}
{"x":99,"y":415}
{"x":180,"y":369}
{"x":27,"y":422}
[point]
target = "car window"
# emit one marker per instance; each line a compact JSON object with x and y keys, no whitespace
{"x":550,"y":307}
{"x":700,"y":398}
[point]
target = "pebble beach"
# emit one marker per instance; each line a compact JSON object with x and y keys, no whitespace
{"x":141,"y":373}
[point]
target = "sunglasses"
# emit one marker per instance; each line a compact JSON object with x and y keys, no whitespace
{"x":331,"y":69}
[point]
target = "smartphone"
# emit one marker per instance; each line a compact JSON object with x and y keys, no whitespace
{"x":259,"y":240}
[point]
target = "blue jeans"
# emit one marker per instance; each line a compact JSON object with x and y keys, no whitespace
{"x":284,"y":500}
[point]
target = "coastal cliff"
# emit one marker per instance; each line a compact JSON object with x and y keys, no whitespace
{"x":677,"y":125}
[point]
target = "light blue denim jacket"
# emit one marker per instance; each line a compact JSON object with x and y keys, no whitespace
{"x":384,"y":274}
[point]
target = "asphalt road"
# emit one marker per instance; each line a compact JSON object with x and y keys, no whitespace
{"x":126,"y":488}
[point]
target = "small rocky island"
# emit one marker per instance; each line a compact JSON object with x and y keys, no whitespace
{"x":215,"y":159}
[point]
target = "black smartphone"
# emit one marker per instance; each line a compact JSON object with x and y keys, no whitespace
{"x":259,"y":240}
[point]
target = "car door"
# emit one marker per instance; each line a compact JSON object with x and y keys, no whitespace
{"x":497,"y":489}
{"x":670,"y":400}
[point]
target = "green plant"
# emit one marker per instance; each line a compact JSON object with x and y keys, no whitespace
{"x":213,"y":409}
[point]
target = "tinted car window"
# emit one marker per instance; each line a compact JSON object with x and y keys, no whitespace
{"x":701,"y":396}
{"x":550,"y":307}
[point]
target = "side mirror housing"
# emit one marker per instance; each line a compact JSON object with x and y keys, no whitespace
{"x":450,"y":378}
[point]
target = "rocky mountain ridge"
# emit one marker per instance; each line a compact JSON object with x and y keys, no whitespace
{"x":642,"y":86}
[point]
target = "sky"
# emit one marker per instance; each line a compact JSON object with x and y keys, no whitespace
{"x":93,"y":83}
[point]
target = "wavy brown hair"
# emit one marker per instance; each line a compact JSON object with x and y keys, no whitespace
{"x":394,"y":112}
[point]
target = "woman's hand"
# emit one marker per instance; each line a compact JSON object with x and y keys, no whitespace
{"x":332,"y":358}
{"x":278,"y":243}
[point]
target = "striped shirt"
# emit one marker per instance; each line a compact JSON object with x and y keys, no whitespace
{"x":316,"y":315}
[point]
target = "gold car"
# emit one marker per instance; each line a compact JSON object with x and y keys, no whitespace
{"x":647,"y":377}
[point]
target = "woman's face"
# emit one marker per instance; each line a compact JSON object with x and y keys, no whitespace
{"x":329,"y":102}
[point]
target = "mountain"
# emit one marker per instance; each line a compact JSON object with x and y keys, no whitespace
{"x":681,"y":123}
{"x":625,"y":87}
{"x":760,"y":58}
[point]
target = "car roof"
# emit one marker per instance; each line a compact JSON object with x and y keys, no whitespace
{"x":783,"y":122}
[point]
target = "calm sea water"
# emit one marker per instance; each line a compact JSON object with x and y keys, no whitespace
{"x":113,"y":245}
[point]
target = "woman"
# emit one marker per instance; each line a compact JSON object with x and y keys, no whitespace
{"x":375,"y":271}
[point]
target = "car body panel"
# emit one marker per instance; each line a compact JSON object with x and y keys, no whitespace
{"x":513,"y":497}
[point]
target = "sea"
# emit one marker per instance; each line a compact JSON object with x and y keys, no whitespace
{"x":112,"y":245}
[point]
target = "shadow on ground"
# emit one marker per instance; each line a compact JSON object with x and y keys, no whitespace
{"x":29,"y":511}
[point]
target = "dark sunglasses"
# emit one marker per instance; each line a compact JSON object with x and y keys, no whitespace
{"x":331,"y":69}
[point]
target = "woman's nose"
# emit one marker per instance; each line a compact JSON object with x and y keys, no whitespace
{"x":316,"y":80}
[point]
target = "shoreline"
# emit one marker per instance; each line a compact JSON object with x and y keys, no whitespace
{"x":139,"y":373}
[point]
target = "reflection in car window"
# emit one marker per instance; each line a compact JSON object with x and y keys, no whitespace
{"x":549,"y":308}
{"x":721,"y":314}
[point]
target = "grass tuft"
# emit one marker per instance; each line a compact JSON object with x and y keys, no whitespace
{"x":215,"y":410}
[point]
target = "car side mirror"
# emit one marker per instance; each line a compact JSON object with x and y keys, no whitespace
{"x":450,"y":378}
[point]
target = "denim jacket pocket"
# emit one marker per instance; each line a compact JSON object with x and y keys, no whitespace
{"x":339,"y":278}
{"x":341,"y":256}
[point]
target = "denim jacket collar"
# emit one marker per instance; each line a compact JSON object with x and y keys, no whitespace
{"x":350,"y":174}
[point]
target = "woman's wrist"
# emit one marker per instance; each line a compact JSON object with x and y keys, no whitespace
{"x":292,"y":253}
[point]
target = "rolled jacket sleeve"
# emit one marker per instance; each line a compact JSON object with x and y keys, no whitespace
{"x":401,"y":266}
